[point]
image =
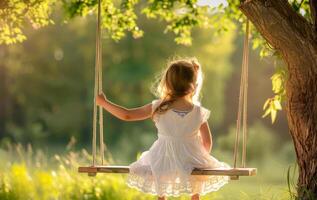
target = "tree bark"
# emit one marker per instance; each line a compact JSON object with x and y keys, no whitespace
{"x":296,"y":39}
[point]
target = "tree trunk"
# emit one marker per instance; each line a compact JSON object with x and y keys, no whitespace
{"x":296,"y":40}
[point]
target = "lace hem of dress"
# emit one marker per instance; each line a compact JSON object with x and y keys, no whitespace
{"x":190,"y":186}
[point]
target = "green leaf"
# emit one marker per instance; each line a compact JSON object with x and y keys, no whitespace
{"x":266,"y":103}
{"x":273,"y":115}
{"x":277,"y":104}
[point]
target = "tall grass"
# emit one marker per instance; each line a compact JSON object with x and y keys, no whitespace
{"x":293,"y":188}
{"x":26,"y":174}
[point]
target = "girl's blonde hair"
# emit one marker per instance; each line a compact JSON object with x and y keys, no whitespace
{"x":180,"y":78}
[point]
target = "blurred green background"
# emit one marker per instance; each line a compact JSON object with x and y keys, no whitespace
{"x":46,"y":96}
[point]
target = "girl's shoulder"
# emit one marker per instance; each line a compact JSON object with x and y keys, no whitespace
{"x":203,"y":112}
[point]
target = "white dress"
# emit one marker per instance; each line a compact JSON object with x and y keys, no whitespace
{"x":165,"y":169}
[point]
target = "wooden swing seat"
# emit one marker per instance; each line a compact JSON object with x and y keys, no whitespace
{"x":234,"y":173}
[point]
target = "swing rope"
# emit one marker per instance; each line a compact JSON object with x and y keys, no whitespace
{"x":243,"y":102}
{"x":98,"y":90}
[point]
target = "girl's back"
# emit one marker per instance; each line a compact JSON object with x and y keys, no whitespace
{"x":172,"y":124}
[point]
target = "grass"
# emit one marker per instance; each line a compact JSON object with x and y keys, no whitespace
{"x":25,"y":175}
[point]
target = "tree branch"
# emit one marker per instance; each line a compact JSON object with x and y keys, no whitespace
{"x":283,"y":28}
{"x":278,"y":23}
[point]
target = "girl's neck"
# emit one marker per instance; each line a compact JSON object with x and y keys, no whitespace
{"x":187,"y":98}
{"x":183,"y":103}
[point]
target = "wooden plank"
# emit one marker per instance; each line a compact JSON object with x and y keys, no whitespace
{"x":217,"y":172}
{"x":227,"y":172}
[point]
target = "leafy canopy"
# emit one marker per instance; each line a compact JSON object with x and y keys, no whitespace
{"x":120,"y":17}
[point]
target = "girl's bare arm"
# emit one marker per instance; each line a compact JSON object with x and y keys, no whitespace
{"x":134,"y":114}
{"x":206,"y":136}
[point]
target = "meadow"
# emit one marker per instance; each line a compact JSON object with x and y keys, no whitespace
{"x":27,"y":174}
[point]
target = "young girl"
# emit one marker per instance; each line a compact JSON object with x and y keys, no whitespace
{"x":184,"y":139}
